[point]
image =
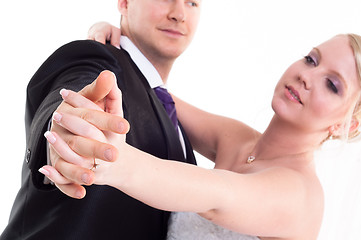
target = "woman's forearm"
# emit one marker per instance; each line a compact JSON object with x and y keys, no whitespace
{"x":165,"y":184}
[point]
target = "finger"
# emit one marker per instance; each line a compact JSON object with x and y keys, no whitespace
{"x":72,"y":190}
{"x":115,"y":37}
{"x":92,"y":149}
{"x":79,"y":124}
{"x":54,"y":175}
{"x":65,"y":152}
{"x":88,"y":123}
{"x":81,"y":151}
{"x":63,"y":184}
{"x":100,"y":37}
{"x":104,"y":88}
{"x":92,"y":31}
{"x":113,"y":102}
{"x":75,"y":173}
{"x":77,"y":100}
{"x":113,"y":106}
{"x":53,"y":155}
{"x":100,"y":88}
{"x":100,"y":28}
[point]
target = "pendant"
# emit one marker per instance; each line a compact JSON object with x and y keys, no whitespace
{"x":251,"y":159}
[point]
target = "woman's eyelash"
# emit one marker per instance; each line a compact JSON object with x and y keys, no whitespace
{"x":329,"y":83}
{"x":332,"y":86}
{"x":309,"y":60}
{"x":193,"y":4}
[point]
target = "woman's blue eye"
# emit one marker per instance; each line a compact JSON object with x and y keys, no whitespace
{"x":310,"y":60}
{"x":332,"y":86}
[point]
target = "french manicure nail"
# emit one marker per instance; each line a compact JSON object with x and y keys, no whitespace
{"x":64,"y":93}
{"x":57,"y":117}
{"x":78,"y":194}
{"x":50,"y":137}
{"x":45,"y":172}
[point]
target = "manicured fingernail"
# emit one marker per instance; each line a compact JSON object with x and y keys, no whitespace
{"x":64,"y":93}
{"x":50,"y":137}
{"x":121,"y":127}
{"x":85,"y":178}
{"x":45,"y":172}
{"x":108,"y":154}
{"x":78,"y":194}
{"x":57,"y":117}
{"x":115,"y":77}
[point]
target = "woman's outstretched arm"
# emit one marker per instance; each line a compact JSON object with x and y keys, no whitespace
{"x":257,"y":204}
{"x":241,"y":202}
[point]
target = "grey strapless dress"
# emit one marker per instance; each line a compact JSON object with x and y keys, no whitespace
{"x":191,"y":226}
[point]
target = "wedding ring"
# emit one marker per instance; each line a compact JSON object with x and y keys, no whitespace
{"x":95,"y":165}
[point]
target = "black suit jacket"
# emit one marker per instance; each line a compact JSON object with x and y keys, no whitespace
{"x":41,"y":211}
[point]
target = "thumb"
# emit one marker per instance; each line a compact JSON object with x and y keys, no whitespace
{"x":113,"y":103}
{"x":100,"y":88}
{"x":105,"y":92}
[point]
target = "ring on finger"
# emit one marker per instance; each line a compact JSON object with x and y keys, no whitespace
{"x":95,"y":165}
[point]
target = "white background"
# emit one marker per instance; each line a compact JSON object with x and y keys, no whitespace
{"x":239,"y":53}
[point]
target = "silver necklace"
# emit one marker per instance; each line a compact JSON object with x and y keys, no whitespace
{"x":251,"y":158}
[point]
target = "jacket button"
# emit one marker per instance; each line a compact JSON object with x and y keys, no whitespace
{"x":27,"y":155}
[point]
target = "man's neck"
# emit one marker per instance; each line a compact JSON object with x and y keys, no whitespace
{"x":155,"y":71}
{"x":163,"y":68}
{"x":162,"y":64}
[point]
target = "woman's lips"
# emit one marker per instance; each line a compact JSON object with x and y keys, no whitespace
{"x":292,"y":94}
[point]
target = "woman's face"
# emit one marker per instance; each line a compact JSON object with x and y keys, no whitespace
{"x":320,"y":90}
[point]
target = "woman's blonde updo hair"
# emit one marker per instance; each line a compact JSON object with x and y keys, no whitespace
{"x":347,"y":135}
{"x":355,"y":43}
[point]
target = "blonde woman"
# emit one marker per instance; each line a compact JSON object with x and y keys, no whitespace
{"x":264,"y":185}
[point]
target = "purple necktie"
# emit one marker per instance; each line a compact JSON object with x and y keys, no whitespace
{"x":168,"y":103}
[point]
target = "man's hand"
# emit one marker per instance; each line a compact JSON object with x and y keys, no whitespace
{"x":82,"y":125}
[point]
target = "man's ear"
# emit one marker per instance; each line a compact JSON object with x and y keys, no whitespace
{"x":123,"y":7}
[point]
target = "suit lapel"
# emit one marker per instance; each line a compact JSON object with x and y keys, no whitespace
{"x":175,"y":150}
{"x":189,"y":150}
{"x":171,"y":137}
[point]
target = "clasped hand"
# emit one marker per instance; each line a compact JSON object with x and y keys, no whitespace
{"x":88,"y":127}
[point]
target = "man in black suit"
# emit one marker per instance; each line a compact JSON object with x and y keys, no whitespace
{"x":155,"y":33}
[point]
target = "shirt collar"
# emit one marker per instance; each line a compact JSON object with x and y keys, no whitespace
{"x":146,"y":67}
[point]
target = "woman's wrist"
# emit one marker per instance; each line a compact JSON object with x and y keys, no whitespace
{"x":115,"y":173}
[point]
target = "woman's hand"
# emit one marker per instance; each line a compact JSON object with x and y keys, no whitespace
{"x":82,"y":132}
{"x":104,"y":32}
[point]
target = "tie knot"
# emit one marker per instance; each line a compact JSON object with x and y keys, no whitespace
{"x":163,"y":95}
